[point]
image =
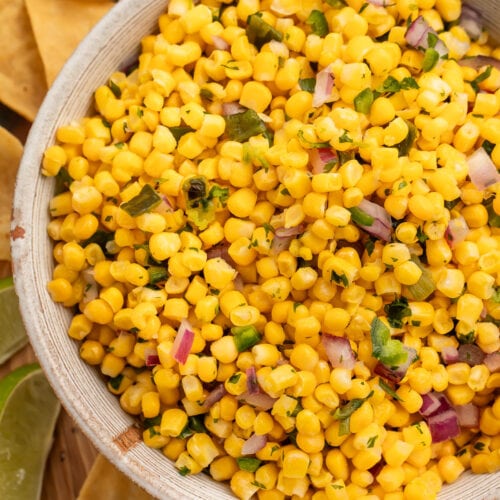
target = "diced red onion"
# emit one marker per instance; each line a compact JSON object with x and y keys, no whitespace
{"x":183,"y":342}
{"x":320,"y":157}
{"x":283,"y":237}
{"x":396,"y":374}
{"x":382,"y":223}
{"x":433,"y":403}
{"x":238,"y":282}
{"x":284,"y":232}
{"x":253,"y":444}
{"x":444,"y":425}
{"x":339,"y":351}
{"x":252,"y":384}
{"x":468,"y":415}
{"x":381,"y":3}
{"x":492,"y":362}
{"x":470,"y":354}
{"x":478,"y":62}
{"x":449,"y":355}
{"x":151,"y":357}
{"x":417,"y":36}
{"x":231,"y":108}
{"x":323,"y":87}
{"x":471,"y":21}
{"x":260,"y":400}
{"x":220,"y":251}
{"x":219,"y":42}
{"x":457,"y":230}
{"x":215,"y":395}
{"x":375,"y":470}
{"x":482,"y":170}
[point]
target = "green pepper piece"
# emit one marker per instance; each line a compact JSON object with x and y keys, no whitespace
{"x":241,"y":126}
{"x":259,"y":32}
{"x":144,"y":202}
{"x":245,"y":337}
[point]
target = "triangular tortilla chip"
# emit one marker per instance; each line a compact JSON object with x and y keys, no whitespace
{"x":106,"y":482}
{"x":11,"y":150}
{"x":60,"y":25}
{"x":22,"y":79}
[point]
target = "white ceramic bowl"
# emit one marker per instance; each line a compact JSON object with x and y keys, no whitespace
{"x":83,"y":393}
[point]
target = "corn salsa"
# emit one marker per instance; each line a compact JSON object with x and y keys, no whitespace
{"x":279,"y":235}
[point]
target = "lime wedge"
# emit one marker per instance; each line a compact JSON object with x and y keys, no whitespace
{"x":28,"y":414}
{"x":12,"y":335}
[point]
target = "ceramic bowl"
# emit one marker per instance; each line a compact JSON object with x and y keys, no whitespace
{"x":113,"y":42}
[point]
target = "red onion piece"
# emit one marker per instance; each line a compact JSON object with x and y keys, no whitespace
{"x":381,"y":3}
{"x":492,"y":362}
{"x":215,"y":395}
{"x":416,"y":34}
{"x":396,"y":374}
{"x":434,"y":403}
{"x":382,"y":223}
{"x":231,"y":108}
{"x":260,"y":400}
{"x":320,"y":157}
{"x":151,"y":356}
{"x":471,"y":21}
{"x":253,"y":444}
{"x":444,"y":425}
{"x":323,"y":87}
{"x":339,"y":351}
{"x":252,"y":384}
{"x":219,"y":43}
{"x":457,"y":231}
{"x":478,"y":62}
{"x":283,"y":237}
{"x":285,"y":232}
{"x":183,"y":342}
{"x":468,"y":415}
{"x":482,"y":170}
{"x":470,"y":354}
{"x":449,"y":355}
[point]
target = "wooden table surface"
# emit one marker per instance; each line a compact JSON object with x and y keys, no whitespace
{"x":72,"y":454}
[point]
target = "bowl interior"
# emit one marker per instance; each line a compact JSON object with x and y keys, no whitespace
{"x":78,"y":385}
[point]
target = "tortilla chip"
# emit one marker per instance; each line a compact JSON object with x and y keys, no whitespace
{"x":22,"y":78}
{"x":11,"y":151}
{"x":60,"y":25}
{"x":106,"y":482}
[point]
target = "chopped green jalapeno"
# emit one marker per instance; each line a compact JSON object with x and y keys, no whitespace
{"x":245,"y":337}
{"x":144,"y":202}
{"x":259,"y":32}
{"x":241,"y":126}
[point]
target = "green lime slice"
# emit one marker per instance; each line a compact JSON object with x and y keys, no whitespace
{"x":28,"y":414}
{"x":12,"y":335}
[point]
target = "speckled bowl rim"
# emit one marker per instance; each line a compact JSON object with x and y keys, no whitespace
{"x":78,"y":386}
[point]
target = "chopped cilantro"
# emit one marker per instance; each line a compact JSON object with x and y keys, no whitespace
{"x":396,"y":311}
{"x":480,"y":78}
{"x":184,"y":470}
{"x":388,"y":389}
